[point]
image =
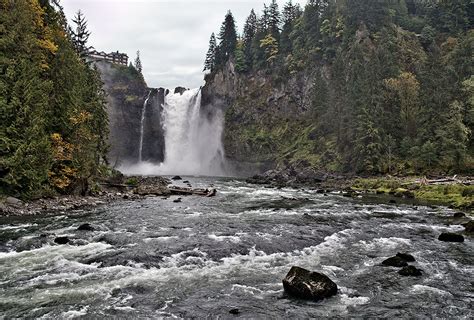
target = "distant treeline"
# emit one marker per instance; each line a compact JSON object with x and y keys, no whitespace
{"x":393,"y":81}
{"x":53,"y":120}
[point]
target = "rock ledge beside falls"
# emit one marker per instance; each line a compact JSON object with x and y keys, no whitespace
{"x":305,"y":284}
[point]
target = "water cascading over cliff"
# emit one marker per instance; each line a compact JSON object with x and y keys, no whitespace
{"x":192,"y":139}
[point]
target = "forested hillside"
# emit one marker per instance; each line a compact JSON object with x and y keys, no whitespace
{"x":349,"y":86}
{"x":53,"y":121}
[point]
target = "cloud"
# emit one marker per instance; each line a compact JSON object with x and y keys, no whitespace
{"x":172,"y":36}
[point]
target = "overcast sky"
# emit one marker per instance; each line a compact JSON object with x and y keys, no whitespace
{"x":172,"y":35}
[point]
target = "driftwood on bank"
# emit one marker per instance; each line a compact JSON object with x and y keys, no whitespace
{"x":173,"y":190}
{"x":446,"y":180}
{"x":189,"y":191}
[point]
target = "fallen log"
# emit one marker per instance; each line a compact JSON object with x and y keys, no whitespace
{"x":440,"y":181}
{"x":188,"y":191}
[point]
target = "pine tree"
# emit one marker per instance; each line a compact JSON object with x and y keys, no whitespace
{"x":291,"y":12}
{"x":138,"y":63}
{"x":46,"y":91}
{"x":264,"y":21}
{"x":240,"y":61}
{"x":24,"y":144}
{"x":228,"y":39}
{"x":274,"y":20}
{"x":80,"y":35}
{"x":250,"y":30}
{"x":210,"y":62}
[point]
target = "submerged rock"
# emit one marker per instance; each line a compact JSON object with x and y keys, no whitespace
{"x":451,"y":237}
{"x":406,"y":256}
{"x":62,"y":240}
{"x":469,"y":226}
{"x":395,"y":262}
{"x":176,"y":178}
{"x":234,"y":311}
{"x":177,"y":200}
{"x":410,"y":271}
{"x":304,"y":284}
{"x":458,"y":215}
{"x":85,"y":227}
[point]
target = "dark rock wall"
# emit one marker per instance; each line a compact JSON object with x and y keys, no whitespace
{"x":153,"y":134}
{"x":265,"y":120}
{"x":126,"y":92}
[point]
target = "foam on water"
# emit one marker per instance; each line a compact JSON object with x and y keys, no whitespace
{"x":419,"y":289}
{"x":200,"y":257}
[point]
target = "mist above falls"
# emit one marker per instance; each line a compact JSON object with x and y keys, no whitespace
{"x":193,"y":140}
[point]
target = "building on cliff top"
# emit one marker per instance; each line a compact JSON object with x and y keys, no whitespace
{"x":114,"y":57}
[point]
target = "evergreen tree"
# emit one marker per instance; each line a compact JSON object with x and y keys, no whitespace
{"x":228,"y":39}
{"x":274,"y":20}
{"x":270,"y":46}
{"x":291,"y":12}
{"x":264,"y":21}
{"x":80,"y":35}
{"x":210,"y":62}
{"x":240,"y":61}
{"x":46,"y":90}
{"x":373,"y":14}
{"x":250,"y":30}
{"x":138,"y":63}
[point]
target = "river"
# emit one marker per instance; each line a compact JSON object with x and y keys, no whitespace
{"x":154,"y":258}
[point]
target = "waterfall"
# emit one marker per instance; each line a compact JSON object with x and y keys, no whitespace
{"x":192,"y":140}
{"x":142,"y":128}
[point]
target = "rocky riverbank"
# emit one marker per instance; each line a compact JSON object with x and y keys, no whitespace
{"x":456,"y":192}
{"x":116,"y":189}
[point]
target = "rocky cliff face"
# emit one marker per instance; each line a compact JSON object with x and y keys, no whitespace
{"x":126,"y":93}
{"x":266,"y":120}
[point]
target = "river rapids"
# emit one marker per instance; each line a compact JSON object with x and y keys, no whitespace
{"x":200,"y":258}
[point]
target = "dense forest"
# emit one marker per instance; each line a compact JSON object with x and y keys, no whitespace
{"x":54,"y":124}
{"x":392,"y":86}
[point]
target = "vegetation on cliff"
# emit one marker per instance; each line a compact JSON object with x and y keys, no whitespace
{"x":354,"y":85}
{"x":53,"y":122}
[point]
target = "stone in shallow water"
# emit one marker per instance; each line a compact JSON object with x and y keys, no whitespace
{"x":304,"y":284}
{"x":176,"y":178}
{"x":459,"y":215}
{"x":469,"y":226}
{"x":410,"y":271}
{"x":61,"y":240}
{"x":406,"y":256}
{"x":395,"y":262}
{"x":234,"y":311}
{"x":451,"y":237}
{"x":85,"y":227}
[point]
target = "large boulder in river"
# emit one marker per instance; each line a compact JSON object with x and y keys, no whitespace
{"x":406,"y":256}
{"x":451,"y":237}
{"x":85,"y":227}
{"x":305,"y":284}
{"x":62,"y":240}
{"x":395,"y":262}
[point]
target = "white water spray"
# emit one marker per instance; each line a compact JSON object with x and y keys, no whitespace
{"x":192,"y":140}
{"x":142,"y":127}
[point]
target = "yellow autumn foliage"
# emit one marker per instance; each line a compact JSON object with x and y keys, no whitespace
{"x":81,"y":117}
